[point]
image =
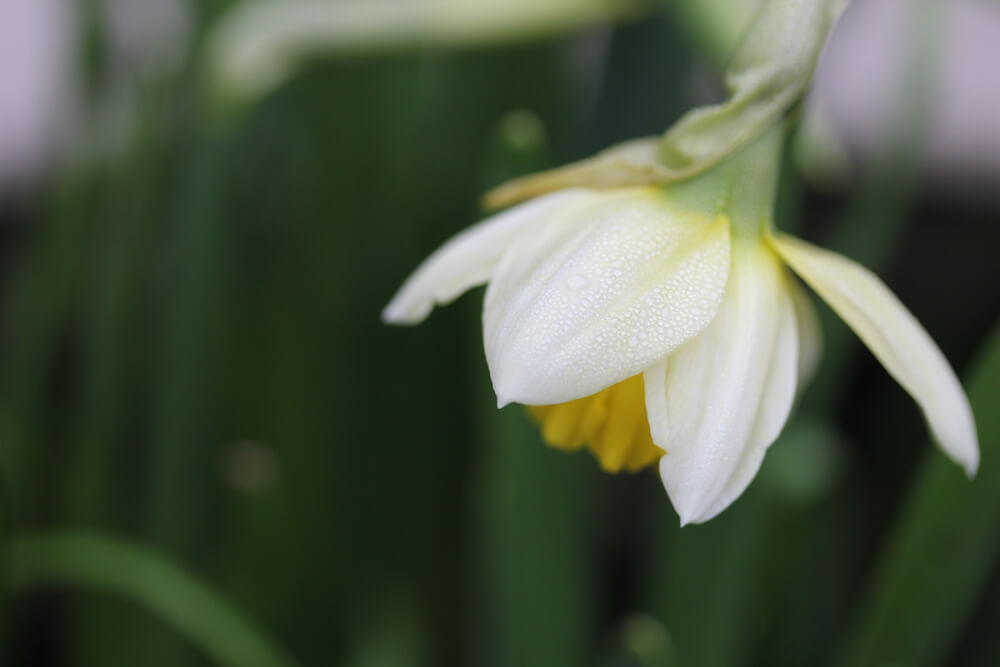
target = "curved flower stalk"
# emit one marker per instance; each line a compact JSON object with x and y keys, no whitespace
{"x":768,"y":74}
{"x":662,"y":323}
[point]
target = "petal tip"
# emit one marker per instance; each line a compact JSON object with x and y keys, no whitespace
{"x":397,"y":314}
{"x":961,"y":445}
{"x":689,"y":517}
{"x":504,"y":396}
{"x":971,"y":466}
{"x":513,"y":384}
{"x":389,"y":315}
{"x":687,"y":509}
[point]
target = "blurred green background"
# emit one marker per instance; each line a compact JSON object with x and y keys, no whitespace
{"x":213,"y":452}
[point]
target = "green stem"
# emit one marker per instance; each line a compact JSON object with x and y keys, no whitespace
{"x":743,"y":187}
{"x":112,"y":566}
{"x":753,"y":182}
{"x":43,"y":294}
{"x":187,"y":348}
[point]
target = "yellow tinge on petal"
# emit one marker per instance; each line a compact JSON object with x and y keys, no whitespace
{"x":611,"y":423}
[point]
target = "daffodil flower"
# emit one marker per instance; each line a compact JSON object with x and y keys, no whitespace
{"x":662,"y":323}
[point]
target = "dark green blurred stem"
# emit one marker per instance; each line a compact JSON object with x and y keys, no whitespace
{"x":113,"y":328}
{"x":181,"y":468}
{"x":114,"y":349}
{"x":538,"y":605}
{"x":181,"y":452}
{"x":40,"y":306}
{"x":942,"y":549}
{"x":705,"y":579}
{"x":727,"y":589}
{"x":105,"y":565}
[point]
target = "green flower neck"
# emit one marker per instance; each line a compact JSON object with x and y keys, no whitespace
{"x":743,"y":187}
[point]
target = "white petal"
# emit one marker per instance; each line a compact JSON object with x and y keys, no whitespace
{"x":577,"y":307}
{"x":810,"y":332}
{"x":468,"y":259}
{"x":895,"y":338}
{"x":719,"y":402}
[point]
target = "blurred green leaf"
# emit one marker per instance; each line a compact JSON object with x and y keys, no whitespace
{"x":112,"y":566}
{"x":45,"y":287}
{"x":942,"y":549}
{"x":533,"y":522}
{"x":705,"y":581}
{"x":258,"y":45}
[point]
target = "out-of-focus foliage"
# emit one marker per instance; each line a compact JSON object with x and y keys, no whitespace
{"x":191,"y":363}
{"x":259,"y":44}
